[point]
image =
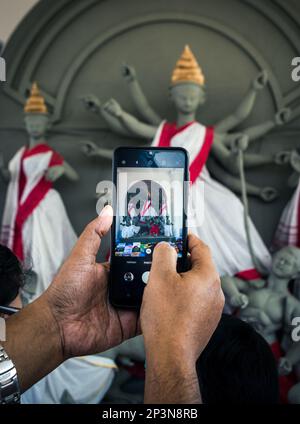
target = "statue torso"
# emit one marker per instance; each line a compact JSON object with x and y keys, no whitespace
{"x":268,"y":301}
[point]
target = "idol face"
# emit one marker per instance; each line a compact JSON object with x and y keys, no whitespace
{"x":36,"y":124}
{"x":285,"y":263}
{"x":187,"y":97}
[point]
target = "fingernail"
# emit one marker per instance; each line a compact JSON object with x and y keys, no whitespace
{"x":107,"y":211}
{"x":163,"y":243}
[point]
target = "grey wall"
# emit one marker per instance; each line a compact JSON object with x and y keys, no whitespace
{"x":74,"y":47}
{"x":11,"y":14}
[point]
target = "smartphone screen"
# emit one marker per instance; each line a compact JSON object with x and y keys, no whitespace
{"x":150,"y":207}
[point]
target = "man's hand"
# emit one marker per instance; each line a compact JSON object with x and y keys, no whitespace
{"x":178,"y":316}
{"x":78,"y":299}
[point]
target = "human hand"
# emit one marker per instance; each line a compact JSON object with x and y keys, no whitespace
{"x":128,"y":72}
{"x":261,"y":80}
{"x":113,"y":108}
{"x":284,"y":366}
{"x":268,"y":194}
{"x":239,"y":301}
{"x":282,"y":116}
{"x":78,"y":300}
{"x":180,"y":312}
{"x":54,"y":173}
{"x":91,"y":102}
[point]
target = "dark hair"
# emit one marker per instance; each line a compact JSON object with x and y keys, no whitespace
{"x":11,"y":276}
{"x":237,"y":366}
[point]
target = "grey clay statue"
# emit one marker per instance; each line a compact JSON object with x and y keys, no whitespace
{"x":37,"y":124}
{"x":268,"y":305}
{"x":187,"y":98}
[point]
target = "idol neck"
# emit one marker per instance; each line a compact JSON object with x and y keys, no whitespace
{"x":184,"y":119}
{"x":33,"y":141}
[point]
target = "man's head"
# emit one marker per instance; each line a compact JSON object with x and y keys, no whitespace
{"x":286,"y":262}
{"x":237,"y":366}
{"x":11,"y":278}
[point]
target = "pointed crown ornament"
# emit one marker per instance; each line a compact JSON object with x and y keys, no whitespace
{"x":187,"y":69}
{"x":35,"y":102}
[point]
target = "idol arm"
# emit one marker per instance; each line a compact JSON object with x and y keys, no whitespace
{"x":221,"y":152}
{"x":234,"y":183}
{"x":232,"y":286}
{"x":242,"y":111}
{"x":114,"y":124}
{"x":90,"y":149}
{"x":92,"y":103}
{"x":252,"y":160}
{"x":246,"y":106}
{"x":138,"y":128}
{"x":70,"y":172}
{"x":226,"y":144}
{"x":53,"y":173}
{"x":135,"y":127}
{"x":258,"y":131}
{"x":138,"y":96}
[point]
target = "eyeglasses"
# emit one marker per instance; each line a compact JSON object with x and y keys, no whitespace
{"x":8,"y":310}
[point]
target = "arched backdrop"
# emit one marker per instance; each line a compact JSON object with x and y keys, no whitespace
{"x":75,"y":47}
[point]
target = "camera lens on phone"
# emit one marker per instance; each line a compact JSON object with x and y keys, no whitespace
{"x":128,"y":276}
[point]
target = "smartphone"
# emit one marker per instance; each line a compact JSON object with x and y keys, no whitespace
{"x":150,"y":205}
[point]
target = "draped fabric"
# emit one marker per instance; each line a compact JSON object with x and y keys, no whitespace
{"x":218,"y":217}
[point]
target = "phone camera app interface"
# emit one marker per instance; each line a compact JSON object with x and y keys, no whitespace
{"x":149,"y":210}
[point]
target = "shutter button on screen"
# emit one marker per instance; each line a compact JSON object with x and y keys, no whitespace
{"x":145,"y":277}
{"x":128,"y":276}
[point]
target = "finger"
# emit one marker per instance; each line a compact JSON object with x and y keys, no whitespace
{"x":106,"y":266}
{"x":89,"y":242}
{"x":130,"y":323}
{"x":201,"y":259}
{"x":164,"y":259}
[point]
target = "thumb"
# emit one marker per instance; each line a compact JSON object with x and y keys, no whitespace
{"x":89,"y":242}
{"x":164,"y":259}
